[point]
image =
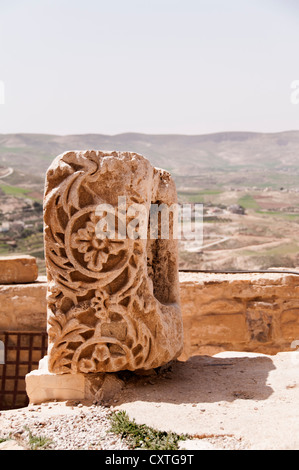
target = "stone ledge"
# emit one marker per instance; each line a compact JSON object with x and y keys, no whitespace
{"x":18,"y":269}
{"x":251,"y":277}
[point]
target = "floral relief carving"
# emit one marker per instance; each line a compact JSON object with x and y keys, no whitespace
{"x":95,"y":250}
{"x":103,"y":307}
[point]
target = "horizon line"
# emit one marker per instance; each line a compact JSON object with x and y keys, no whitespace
{"x":148,"y":134}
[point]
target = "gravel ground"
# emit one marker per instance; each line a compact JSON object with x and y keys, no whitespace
{"x":66,"y":427}
{"x":80,"y":427}
{"x":230,"y":401}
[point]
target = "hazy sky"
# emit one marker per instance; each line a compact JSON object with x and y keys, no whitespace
{"x":152,"y":66}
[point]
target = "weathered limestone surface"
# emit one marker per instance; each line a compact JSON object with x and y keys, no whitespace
{"x":113,"y":304}
{"x":23,"y":306}
{"x":239,"y":312}
{"x":43,"y":386}
{"x":18,"y":269}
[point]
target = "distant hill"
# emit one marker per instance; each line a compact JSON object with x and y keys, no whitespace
{"x":242,"y":156}
{"x":258,"y":171}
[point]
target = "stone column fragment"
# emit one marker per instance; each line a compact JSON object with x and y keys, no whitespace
{"x":113,"y":303}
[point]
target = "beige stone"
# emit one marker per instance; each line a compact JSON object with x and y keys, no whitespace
{"x":220,"y":329}
{"x":11,"y":444}
{"x":290,"y":324}
{"x":113,"y":303}
{"x":23,"y":307}
{"x":18,"y":269}
{"x":43,"y":386}
{"x":270,"y":310}
{"x":241,"y":312}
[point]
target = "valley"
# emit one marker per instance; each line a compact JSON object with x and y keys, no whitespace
{"x":248,"y":184}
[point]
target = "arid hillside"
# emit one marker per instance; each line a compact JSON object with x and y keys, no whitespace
{"x":257,"y":173}
{"x":183,"y":155}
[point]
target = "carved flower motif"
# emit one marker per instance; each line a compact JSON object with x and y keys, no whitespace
{"x":95,"y":250}
{"x":100,"y":354}
{"x":98,"y":303}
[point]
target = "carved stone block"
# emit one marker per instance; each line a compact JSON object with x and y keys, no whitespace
{"x":113,"y":302}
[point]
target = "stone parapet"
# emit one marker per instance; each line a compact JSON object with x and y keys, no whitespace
{"x":242,"y":312}
{"x":256,"y":312}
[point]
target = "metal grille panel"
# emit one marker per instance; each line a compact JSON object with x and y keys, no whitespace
{"x":23,"y":351}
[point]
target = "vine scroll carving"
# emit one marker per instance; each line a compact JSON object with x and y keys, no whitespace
{"x":113,"y":303}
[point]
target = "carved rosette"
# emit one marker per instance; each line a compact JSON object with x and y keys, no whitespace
{"x":106,"y":306}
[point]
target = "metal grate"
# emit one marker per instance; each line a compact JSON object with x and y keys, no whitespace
{"x":23,"y":351}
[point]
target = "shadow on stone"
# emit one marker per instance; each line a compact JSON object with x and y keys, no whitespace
{"x":203,"y":379}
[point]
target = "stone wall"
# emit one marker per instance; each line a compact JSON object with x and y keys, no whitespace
{"x":22,"y":310}
{"x":22,"y":325}
{"x":23,"y":306}
{"x":240,"y":312}
{"x":243,"y":312}
{"x":237,"y":312}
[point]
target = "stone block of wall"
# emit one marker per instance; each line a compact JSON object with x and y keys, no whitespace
{"x":18,"y":269}
{"x":242,"y":312}
{"x":23,"y":307}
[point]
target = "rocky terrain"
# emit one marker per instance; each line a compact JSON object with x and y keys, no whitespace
{"x":255,"y":172}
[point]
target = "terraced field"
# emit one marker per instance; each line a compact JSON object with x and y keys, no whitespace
{"x":259,"y":172}
{"x":259,"y":239}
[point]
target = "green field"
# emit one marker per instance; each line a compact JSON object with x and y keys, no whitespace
{"x":14,"y":190}
{"x":248,"y":202}
{"x":198,"y":196}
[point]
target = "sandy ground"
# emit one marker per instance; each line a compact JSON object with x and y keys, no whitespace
{"x":229,"y":401}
